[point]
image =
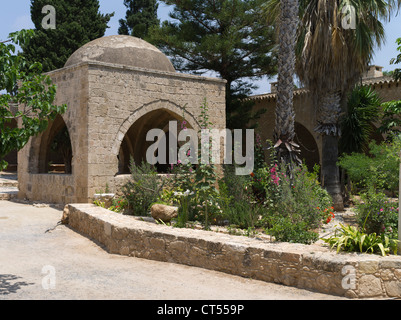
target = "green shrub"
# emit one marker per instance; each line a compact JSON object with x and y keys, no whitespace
{"x":143,"y":189}
{"x":291,"y":229}
{"x":377,"y":214}
{"x":379,"y":169}
{"x":300,"y":196}
{"x":237,"y":201}
{"x":296,"y":205}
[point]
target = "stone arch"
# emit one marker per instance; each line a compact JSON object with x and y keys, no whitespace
{"x":134,"y":142}
{"x":146,"y":108}
{"x":41,"y":154}
{"x":308,"y":145}
{"x":131,"y":137}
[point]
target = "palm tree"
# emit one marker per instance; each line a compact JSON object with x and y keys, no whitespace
{"x":363,"y":108}
{"x":286,"y":148}
{"x":330,"y":60}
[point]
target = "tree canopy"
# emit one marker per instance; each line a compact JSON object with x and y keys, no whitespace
{"x":397,"y":60}
{"x":23,"y":85}
{"x":140,"y":16}
{"x":229,"y":38}
{"x":77,"y":22}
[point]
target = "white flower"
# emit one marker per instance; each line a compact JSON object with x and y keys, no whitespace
{"x":185,"y":194}
{"x":188,"y":193}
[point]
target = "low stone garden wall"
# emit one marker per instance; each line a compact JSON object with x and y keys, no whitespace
{"x":311,"y":267}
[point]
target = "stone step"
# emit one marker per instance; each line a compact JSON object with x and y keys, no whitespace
{"x":8,"y":184}
{"x":6,"y":195}
{"x":8,"y":180}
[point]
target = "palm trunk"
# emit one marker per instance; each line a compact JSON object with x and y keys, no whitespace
{"x":330,"y":170}
{"x":328,"y":126}
{"x":285,"y":115}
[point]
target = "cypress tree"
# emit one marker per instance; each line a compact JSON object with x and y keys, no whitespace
{"x":77,"y":22}
{"x":140,"y":16}
{"x":228,"y":37}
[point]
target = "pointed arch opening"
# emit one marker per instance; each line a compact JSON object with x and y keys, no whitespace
{"x":308,"y":146}
{"x":134,"y":145}
{"x":55,"y":153}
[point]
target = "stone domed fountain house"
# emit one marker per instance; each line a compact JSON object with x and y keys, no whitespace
{"x":116,"y":88}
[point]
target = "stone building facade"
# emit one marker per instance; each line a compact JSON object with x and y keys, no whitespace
{"x":305,"y":117}
{"x":116,"y":89}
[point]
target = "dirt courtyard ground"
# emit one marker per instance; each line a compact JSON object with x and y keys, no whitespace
{"x":41,"y":260}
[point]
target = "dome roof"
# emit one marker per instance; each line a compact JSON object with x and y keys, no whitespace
{"x":123,"y":50}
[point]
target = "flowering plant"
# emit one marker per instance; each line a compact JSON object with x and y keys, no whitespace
{"x":376,"y":213}
{"x":119,"y":205}
{"x":327,"y":214}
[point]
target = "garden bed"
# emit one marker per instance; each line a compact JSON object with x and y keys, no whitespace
{"x":313,"y":267}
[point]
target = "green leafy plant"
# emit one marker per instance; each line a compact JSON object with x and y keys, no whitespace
{"x":201,"y":180}
{"x":350,"y":239}
{"x":184,"y":200}
{"x":379,"y":169}
{"x":119,"y":205}
{"x":390,"y":118}
{"x":143,"y":189}
{"x":375,"y":213}
{"x":239,"y":205}
{"x":300,"y":198}
{"x":356,"y":124}
{"x":291,"y":229}
{"x":397,"y":60}
{"x":23,"y":83}
{"x":99,"y":203}
{"x":295,"y":203}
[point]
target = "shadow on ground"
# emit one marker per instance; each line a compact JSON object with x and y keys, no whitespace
{"x":9,"y":285}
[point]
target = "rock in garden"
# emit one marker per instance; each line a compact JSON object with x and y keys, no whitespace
{"x":163,"y":212}
{"x":66,"y":212}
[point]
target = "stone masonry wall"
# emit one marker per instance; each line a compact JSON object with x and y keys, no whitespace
{"x":311,"y":267}
{"x":72,"y":89}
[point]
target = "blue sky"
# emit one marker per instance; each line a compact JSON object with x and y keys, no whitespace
{"x":15,"y":15}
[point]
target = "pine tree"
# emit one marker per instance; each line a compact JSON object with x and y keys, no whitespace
{"x":228,"y":37}
{"x":77,"y":22}
{"x":140,"y":16}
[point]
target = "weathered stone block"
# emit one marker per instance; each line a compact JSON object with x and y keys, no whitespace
{"x":368,"y":267}
{"x":369,"y":286}
{"x":393,"y":288}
